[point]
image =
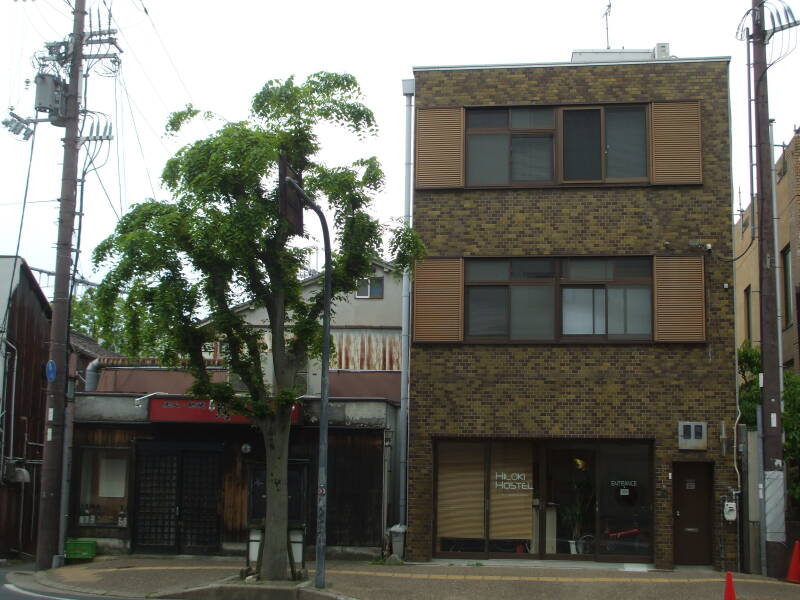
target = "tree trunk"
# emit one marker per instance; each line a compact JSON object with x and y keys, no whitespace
{"x":275,"y":430}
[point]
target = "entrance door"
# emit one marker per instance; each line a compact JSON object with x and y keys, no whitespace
{"x":692,"y":513}
{"x":177,"y":499}
{"x":571,"y":515}
{"x":199,"y":519}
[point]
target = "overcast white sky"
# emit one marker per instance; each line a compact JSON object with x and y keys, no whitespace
{"x":217,"y":55}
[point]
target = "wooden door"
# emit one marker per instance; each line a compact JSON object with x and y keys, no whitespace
{"x":692,"y":502}
{"x":178,"y":498}
{"x":200,"y":503}
{"x":157,"y":491}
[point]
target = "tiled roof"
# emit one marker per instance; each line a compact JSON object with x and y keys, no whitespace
{"x":86,"y":345}
{"x":128,"y":361}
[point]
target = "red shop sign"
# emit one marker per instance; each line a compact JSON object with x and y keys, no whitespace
{"x":189,"y":410}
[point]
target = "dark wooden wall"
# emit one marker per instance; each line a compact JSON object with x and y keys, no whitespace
{"x":355,"y":484}
{"x":355,"y":479}
{"x":28,"y":330}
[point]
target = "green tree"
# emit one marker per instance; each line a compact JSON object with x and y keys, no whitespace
{"x":87,"y":318}
{"x":222,"y":241}
{"x":83,"y":318}
{"x":749,"y":364}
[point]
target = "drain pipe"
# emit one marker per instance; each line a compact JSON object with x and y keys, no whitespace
{"x":92,"y":375}
{"x":402,"y":424}
{"x":13,"y":407}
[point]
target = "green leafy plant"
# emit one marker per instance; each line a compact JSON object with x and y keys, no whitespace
{"x":574,"y":514}
{"x":749,"y":366}
{"x":181,"y":267}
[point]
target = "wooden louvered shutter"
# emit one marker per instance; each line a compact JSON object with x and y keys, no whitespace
{"x":439,"y":300}
{"x":676,"y":144}
{"x":680,"y":301}
{"x":511,"y":491}
{"x":440,"y":148}
{"x":460,"y":490}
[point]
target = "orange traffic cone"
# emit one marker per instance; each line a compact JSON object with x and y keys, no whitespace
{"x":730,"y":593}
{"x":793,"y":574}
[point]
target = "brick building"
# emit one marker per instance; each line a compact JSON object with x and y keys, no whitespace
{"x":787,"y":199}
{"x":572,"y":374}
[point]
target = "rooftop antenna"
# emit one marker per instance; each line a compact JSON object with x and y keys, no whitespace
{"x":605,"y":16}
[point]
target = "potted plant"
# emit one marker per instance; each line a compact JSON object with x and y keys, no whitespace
{"x":574,"y":515}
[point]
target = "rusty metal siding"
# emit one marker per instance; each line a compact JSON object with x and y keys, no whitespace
{"x":366,"y":350}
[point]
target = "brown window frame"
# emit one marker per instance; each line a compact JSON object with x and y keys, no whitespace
{"x":558,"y":281}
{"x":786,"y":286}
{"x":556,"y":133}
{"x":511,"y":133}
{"x":748,"y":317}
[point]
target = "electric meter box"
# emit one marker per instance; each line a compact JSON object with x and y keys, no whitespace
{"x":692,"y":435}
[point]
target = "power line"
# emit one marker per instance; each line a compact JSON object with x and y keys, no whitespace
{"x":33,"y":26}
{"x":100,"y":180}
{"x":166,"y":51}
{"x":136,"y":58}
{"x":57,"y":9}
{"x":44,"y":19}
{"x":19,"y":232}
{"x":117,"y":148}
{"x":30,"y":202}
{"x":142,"y":115}
{"x":138,"y":139}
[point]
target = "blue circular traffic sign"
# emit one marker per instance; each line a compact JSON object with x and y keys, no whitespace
{"x":51,"y":370}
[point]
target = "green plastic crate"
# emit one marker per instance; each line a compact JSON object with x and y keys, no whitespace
{"x":80,"y":548}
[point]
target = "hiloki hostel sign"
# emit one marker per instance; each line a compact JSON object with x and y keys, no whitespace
{"x":511,"y":481}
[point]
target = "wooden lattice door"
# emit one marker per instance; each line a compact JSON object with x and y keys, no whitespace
{"x":199,"y":519}
{"x":157,"y":506}
{"x":178,"y":499}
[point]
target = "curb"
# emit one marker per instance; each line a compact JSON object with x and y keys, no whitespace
{"x":301,"y":591}
{"x":223,"y":589}
{"x":43,"y":579}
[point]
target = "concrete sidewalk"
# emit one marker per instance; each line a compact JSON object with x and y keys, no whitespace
{"x":143,"y":576}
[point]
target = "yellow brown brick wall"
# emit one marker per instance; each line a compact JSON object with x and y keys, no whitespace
{"x":547,"y":391}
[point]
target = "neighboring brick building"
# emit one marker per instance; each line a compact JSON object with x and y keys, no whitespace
{"x":571,"y":317}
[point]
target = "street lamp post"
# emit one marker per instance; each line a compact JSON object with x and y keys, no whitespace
{"x":322,"y":482}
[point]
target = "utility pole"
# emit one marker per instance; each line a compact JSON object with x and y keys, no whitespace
{"x":47,"y":546}
{"x":773,"y":486}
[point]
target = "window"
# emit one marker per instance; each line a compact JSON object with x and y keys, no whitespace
{"x":748,"y":312}
{"x":514,"y":298}
{"x":371,"y":287}
{"x":786,"y":266}
{"x":516,"y":146}
{"x":606,"y":143}
{"x":745,"y":221}
{"x":103,"y":487}
{"x":558,"y":299}
{"x":510,"y":146}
